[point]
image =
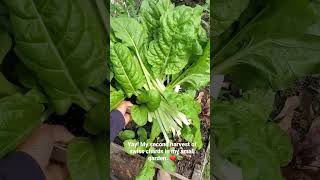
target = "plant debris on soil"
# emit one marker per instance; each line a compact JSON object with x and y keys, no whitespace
{"x":302,"y":116}
{"x":186,"y":166}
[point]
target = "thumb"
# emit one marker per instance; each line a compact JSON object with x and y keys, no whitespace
{"x":124,"y":106}
{"x":56,"y":172}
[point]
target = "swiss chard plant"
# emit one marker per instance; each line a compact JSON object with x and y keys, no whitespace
{"x":263,"y":46}
{"x":53,"y":55}
{"x":159,"y":58}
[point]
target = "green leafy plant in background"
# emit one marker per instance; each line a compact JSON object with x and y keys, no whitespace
{"x":158,"y":57}
{"x":61,"y":60}
{"x":260,"y":45}
{"x":247,"y":137}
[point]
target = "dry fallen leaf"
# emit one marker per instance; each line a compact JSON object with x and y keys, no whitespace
{"x":200,"y":97}
{"x":290,"y":105}
{"x":287,"y":112}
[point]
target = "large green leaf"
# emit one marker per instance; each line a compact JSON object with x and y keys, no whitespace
{"x":7,"y":88}
{"x":129,"y":31}
{"x":198,"y":74}
{"x":116,"y":97}
{"x":224,"y":13}
{"x":151,"y":99}
{"x":5,"y":44}
{"x":19,"y":115}
{"x":63,"y":43}
{"x":155,"y":130}
{"x":178,"y":34}
{"x":148,"y":171}
{"x":139,"y":114}
{"x":96,"y":119}
{"x":126,"y":68}
{"x":126,"y":134}
{"x":151,"y":12}
{"x":87,"y":159}
{"x":188,"y":106}
{"x":246,"y":137}
{"x":4,"y":17}
{"x":271,"y":51}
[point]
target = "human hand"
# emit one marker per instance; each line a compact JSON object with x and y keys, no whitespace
{"x":123,"y":108}
{"x":40,"y":146}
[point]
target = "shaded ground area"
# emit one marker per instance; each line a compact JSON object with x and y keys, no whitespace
{"x":301,"y":119}
{"x":73,"y":120}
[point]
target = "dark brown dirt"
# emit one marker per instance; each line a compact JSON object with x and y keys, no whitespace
{"x":189,"y":2}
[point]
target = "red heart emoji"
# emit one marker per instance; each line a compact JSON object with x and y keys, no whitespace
{"x":173,"y":158}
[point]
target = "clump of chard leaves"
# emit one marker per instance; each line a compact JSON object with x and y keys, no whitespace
{"x":160,"y":58}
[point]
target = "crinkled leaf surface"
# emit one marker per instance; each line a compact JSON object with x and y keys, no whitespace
{"x":244,"y":135}
{"x":126,"y":68}
{"x":224,"y":13}
{"x":198,"y":74}
{"x":19,"y":115}
{"x":151,"y":12}
{"x":178,"y":34}
{"x":151,"y":99}
{"x":87,"y":158}
{"x":188,"y":106}
{"x":63,"y":43}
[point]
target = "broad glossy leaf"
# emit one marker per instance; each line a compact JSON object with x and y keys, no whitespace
{"x":126,"y":68}
{"x":19,"y":115}
{"x":178,"y":34}
{"x":151,"y":12}
{"x":272,"y":51}
{"x":139,"y":114}
{"x":87,"y":159}
{"x":96,"y":119}
{"x":142,"y":134}
{"x":129,"y":31}
{"x":116,"y":97}
{"x":37,"y":96}
{"x":127,"y":134}
{"x":151,"y":99}
{"x":5,"y":44}
{"x":244,"y":135}
{"x":7,"y":88}
{"x":224,"y":13}
{"x":198,"y":74}
{"x":148,"y":171}
{"x":63,"y":43}
{"x":155,"y":130}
